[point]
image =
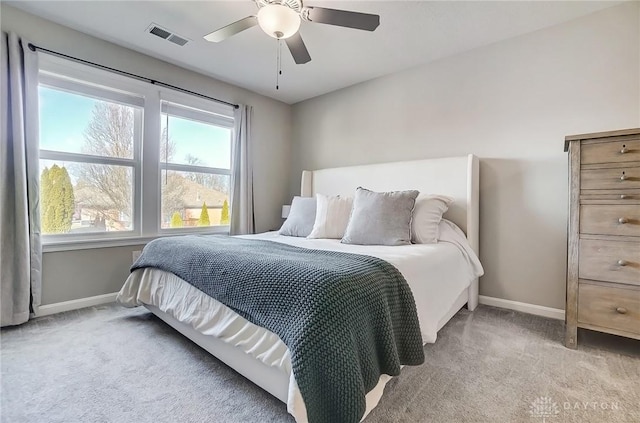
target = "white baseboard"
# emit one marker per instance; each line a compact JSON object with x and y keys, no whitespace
{"x":48,"y":309}
{"x":538,"y":310}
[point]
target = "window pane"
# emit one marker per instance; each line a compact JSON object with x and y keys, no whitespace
{"x":83,"y":197}
{"x":191,"y":199}
{"x":73,"y":123}
{"x":195,"y":143}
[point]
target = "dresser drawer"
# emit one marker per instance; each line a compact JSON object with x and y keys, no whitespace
{"x":625,"y":150}
{"x":610,"y":219}
{"x":612,"y":178}
{"x":612,"y":196}
{"x":609,"y":307}
{"x":611,"y":261}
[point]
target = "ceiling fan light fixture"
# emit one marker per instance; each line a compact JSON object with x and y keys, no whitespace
{"x":278,"y":21}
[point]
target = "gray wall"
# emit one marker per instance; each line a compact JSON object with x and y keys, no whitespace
{"x":68,"y":275}
{"x":76,"y":274}
{"x":510,"y":103}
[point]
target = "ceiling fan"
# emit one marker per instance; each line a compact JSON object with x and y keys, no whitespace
{"x":281,"y":19}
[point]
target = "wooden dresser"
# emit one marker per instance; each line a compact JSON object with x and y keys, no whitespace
{"x":603,"y":268}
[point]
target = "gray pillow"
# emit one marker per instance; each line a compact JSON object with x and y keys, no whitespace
{"x":381,"y":218}
{"x":301,"y":217}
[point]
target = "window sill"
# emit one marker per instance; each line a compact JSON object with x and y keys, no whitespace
{"x":89,"y":244}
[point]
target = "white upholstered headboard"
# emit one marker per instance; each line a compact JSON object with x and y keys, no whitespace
{"x":457,"y":177}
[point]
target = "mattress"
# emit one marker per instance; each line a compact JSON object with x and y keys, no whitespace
{"x":437,"y":274}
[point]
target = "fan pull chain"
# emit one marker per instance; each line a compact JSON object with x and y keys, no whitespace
{"x":279,"y":64}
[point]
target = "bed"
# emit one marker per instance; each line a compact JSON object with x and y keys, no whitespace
{"x":259,"y":354}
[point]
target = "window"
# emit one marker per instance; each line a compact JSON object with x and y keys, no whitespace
{"x":88,"y":158}
{"x":196,"y":167}
{"x":121,"y":158}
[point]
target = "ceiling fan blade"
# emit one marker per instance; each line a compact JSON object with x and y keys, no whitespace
{"x":344,"y":18}
{"x":298,"y":49}
{"x":232,"y":29}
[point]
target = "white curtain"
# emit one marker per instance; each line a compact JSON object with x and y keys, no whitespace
{"x":242,"y":218}
{"x":20,"y":248}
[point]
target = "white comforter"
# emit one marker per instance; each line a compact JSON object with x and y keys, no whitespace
{"x":437,"y":274}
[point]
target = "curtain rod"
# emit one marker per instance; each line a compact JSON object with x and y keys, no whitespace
{"x":34,"y":47}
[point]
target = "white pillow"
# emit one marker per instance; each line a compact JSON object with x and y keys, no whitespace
{"x":427,"y":215}
{"x":332,"y":216}
{"x":301,"y":217}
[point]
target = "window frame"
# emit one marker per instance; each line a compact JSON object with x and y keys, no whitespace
{"x":196,"y":114}
{"x":52,"y":81}
{"x":67,"y":75}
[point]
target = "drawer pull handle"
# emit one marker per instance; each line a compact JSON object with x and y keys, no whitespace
{"x":622,"y":262}
{"x":623,"y":220}
{"x":624,"y":177}
{"x":621,"y":310}
{"x":624,"y":196}
{"x":624,"y":150}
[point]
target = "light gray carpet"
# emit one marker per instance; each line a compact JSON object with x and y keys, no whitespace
{"x":110,"y":364}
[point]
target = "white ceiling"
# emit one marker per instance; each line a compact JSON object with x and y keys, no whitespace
{"x":410,"y":33}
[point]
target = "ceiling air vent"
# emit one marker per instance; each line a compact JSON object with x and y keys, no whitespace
{"x":176,"y":39}
{"x":163,"y":33}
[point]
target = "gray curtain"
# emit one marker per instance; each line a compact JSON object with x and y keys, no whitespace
{"x":242,"y":218}
{"x":20,"y":248}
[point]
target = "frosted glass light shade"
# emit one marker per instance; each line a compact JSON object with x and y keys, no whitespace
{"x":278,"y":21}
